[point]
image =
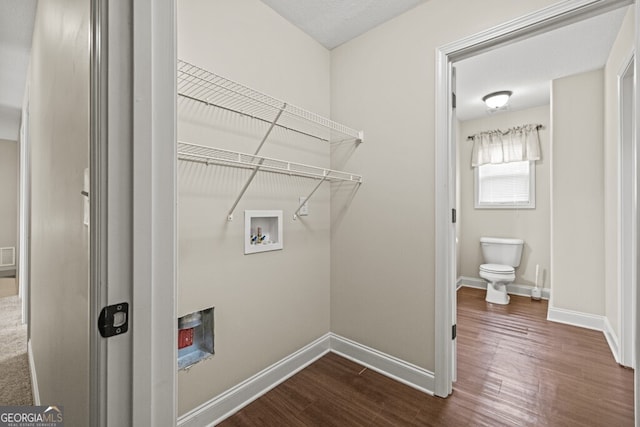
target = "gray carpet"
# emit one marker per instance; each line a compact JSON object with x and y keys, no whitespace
{"x":15,"y":379}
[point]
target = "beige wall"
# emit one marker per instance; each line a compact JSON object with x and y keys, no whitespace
{"x":531,"y":225}
{"x":383,"y":237}
{"x":267,"y":305}
{"x":8,"y":194}
{"x":577,"y":225}
{"x":59,"y":134}
{"x":619,"y":53}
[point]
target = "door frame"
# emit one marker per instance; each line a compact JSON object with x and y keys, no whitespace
{"x":627,"y":211}
{"x":133,"y":210}
{"x":543,"y":20}
{"x":155,"y":212}
{"x":24,"y":211}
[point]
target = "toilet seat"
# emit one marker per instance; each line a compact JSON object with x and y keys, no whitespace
{"x":497,"y":269}
{"x":497,"y":273}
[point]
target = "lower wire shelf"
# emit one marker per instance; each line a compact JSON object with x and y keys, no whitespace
{"x":211,"y":156}
{"x":217,"y":156}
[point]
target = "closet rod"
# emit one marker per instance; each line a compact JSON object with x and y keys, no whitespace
{"x":231,"y":110}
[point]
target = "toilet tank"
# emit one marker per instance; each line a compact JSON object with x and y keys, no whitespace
{"x":501,"y":251}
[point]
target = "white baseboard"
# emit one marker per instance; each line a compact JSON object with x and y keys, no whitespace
{"x":226,"y":404}
{"x":612,"y":340}
{"x":576,"y":318}
{"x":392,"y":367}
{"x":512,"y":288}
{"x":34,"y":378}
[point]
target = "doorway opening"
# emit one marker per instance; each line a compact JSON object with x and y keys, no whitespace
{"x":446,"y":271}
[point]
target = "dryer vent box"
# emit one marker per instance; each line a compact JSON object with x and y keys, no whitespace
{"x":195,"y":337}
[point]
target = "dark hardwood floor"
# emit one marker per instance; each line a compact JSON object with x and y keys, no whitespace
{"x":514,"y":369}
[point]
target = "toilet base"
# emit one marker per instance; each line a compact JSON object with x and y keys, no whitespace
{"x":497,"y":293}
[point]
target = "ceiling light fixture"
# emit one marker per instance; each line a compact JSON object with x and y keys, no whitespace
{"x":497,"y":100}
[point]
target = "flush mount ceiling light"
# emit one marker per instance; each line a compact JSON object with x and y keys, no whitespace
{"x":497,"y":100}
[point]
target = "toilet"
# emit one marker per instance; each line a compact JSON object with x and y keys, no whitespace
{"x":501,"y":256}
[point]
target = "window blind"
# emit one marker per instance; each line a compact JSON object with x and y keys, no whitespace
{"x":504,"y":183}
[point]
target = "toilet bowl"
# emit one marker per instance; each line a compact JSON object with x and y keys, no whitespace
{"x":498,"y":277}
{"x":502,"y":257}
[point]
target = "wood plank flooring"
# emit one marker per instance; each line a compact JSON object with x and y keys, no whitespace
{"x":514,"y":369}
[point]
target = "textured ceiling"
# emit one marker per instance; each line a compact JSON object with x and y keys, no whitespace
{"x":333,"y":22}
{"x":16,"y":29}
{"x":527,"y":67}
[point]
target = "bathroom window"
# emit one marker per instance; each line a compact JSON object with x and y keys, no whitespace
{"x":505,"y":185}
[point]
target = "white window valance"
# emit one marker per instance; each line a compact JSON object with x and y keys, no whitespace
{"x":513,"y":145}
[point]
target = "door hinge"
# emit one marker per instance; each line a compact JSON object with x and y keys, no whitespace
{"x":453,"y":332}
{"x":453,"y":216}
{"x":114,"y":320}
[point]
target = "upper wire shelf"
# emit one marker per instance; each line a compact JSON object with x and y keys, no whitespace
{"x":198,"y":84}
{"x":210,"y":155}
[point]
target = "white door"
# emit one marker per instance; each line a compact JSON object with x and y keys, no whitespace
{"x":453,"y":258}
{"x":445,"y":229}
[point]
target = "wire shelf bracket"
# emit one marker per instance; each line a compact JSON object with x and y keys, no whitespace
{"x":305,"y":200}
{"x":217,"y":156}
{"x":257,"y":167}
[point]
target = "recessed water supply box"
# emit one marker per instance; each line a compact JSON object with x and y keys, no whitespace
{"x":262,"y":231}
{"x":195,"y":337}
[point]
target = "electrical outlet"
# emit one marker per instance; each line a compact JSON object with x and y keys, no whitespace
{"x":304,"y":210}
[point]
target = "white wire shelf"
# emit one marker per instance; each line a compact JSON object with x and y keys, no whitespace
{"x":200,"y":85}
{"x":216,"y":156}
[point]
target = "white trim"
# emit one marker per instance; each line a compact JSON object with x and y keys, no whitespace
{"x":445,"y":239}
{"x":512,"y":288}
{"x":576,"y":318}
{"x":627,"y":214}
{"x":231,"y":401}
{"x":612,"y":339}
{"x":636,"y":134}
{"x":546,"y":18}
{"x":24,"y":214}
{"x":387,"y":365}
{"x":34,"y":377}
{"x":154,"y":173}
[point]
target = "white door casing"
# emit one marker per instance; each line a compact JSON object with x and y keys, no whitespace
{"x":627,"y":208}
